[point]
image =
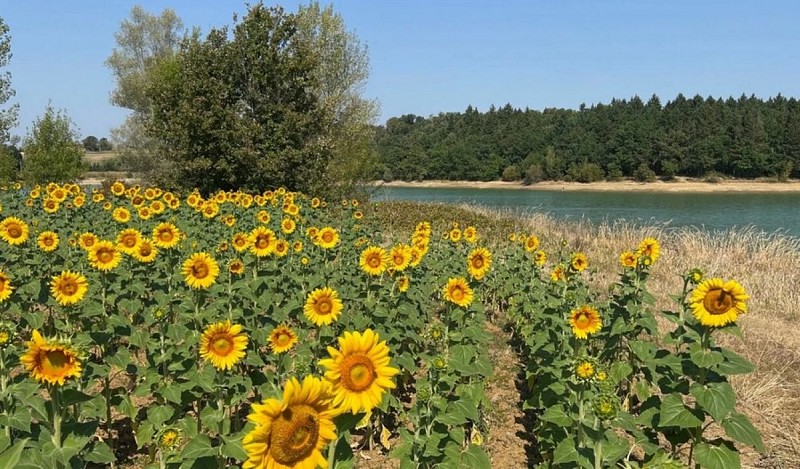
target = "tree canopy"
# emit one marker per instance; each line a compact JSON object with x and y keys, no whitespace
{"x":51,"y":151}
{"x":746,"y":137}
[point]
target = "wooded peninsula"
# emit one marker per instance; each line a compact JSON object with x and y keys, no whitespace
{"x":708,"y":138}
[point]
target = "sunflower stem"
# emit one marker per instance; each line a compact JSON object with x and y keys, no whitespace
{"x":3,"y":387}
{"x":55,"y":401}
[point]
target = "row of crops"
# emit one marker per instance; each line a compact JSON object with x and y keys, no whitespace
{"x":144,"y":328}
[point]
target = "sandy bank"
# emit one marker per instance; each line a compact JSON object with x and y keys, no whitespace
{"x":679,"y":185}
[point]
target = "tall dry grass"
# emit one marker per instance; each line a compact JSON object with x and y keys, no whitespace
{"x":767,"y":265}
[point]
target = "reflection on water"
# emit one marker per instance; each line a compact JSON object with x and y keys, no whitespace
{"x":769,"y":212}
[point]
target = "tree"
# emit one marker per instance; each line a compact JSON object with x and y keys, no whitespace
{"x":10,"y":159}
{"x":104,"y":145}
{"x":340,"y":77}
{"x":239,"y":111}
{"x":51,"y":153}
{"x":143,"y":41}
{"x":8,"y":117}
{"x":91,"y":143}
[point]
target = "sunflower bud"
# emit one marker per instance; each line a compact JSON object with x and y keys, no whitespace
{"x":7,"y":334}
{"x":606,"y":406}
{"x":169,"y":439}
{"x":439,"y":363}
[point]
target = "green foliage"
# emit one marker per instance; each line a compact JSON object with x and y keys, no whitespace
{"x":8,"y":117}
{"x":745,"y":137}
{"x":51,"y":153}
{"x":585,"y":172}
{"x":10,"y":160}
{"x":644,"y":173}
{"x":512,"y":173}
{"x":237,"y":109}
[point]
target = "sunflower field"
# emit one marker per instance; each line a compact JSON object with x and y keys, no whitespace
{"x":143,"y":328}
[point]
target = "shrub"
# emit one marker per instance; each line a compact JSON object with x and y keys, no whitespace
{"x":534,"y":174}
{"x":585,"y":172}
{"x":644,"y":173}
{"x":512,"y":173}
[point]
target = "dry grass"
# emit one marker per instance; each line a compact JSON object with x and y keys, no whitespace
{"x":768,"y":266}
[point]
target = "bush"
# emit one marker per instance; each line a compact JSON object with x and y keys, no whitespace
{"x":669,"y":169}
{"x":512,"y":173}
{"x":613,"y":172}
{"x":644,"y":174}
{"x":712,"y":177}
{"x":534,"y":174}
{"x":51,"y":154}
{"x":586,"y":172}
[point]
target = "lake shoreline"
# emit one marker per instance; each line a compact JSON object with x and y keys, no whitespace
{"x":679,"y":185}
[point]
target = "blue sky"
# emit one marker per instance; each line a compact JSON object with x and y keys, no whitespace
{"x":437,"y":56}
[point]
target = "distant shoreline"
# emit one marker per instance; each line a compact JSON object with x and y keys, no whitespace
{"x":683,"y":185}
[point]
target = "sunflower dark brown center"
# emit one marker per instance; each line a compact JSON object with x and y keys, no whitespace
{"x":14,"y":230}
{"x":54,"y":362}
{"x":69,"y":287}
{"x":145,"y":250}
{"x":374,"y":261}
{"x":327,"y":236}
{"x":324,"y":306}
{"x":200,"y":269}
{"x":477,"y":262}
{"x":718,"y":301}
{"x":398,"y":259}
{"x":582,"y":320}
{"x":262,"y":242}
{"x":358,"y":372}
{"x":283,"y":339}
{"x":48,"y":241}
{"x":129,"y":241}
{"x":294,"y":434}
{"x":222,"y":345}
{"x":457,"y":293}
{"x":105,"y":255}
{"x":165,"y":236}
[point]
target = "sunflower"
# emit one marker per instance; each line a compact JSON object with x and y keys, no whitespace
{"x":118,"y":188}
{"x":145,"y":252}
{"x":359,"y":371}
{"x":455,"y":235}
{"x":5,"y":286}
{"x":262,"y":241}
{"x":128,"y":240}
{"x":716,"y":302}
{"x":470,"y":234}
{"x":649,"y":247}
{"x":558,"y":274}
{"x":458,"y":291}
{"x":200,"y":270}
{"x":579,"y":262}
{"x":223,"y":344}
{"x":373,"y":260}
{"x":478,"y":262}
{"x":281,"y":248}
{"x":48,"y":241}
{"x":403,"y":282}
{"x":50,"y":205}
{"x":323,"y":306}
{"x":236,"y":267}
{"x":288,"y":225}
{"x":400,"y":257}
{"x":121,"y":215}
{"x":327,"y":238}
{"x":315,"y":202}
{"x":169,"y":439}
{"x":86,"y":240}
{"x":14,"y":231}
{"x":358,"y":215}
{"x":539,"y":258}
{"x":104,"y":256}
{"x":68,"y":287}
{"x":166,"y":235}
{"x":240,"y":242}
{"x":297,"y":246}
{"x":50,"y":361}
{"x":584,"y":370}
{"x":292,"y":432}
{"x":585,"y":321}
{"x":531,"y":243}
{"x":416,"y":256}
{"x":628,"y":260}
{"x":282,"y":339}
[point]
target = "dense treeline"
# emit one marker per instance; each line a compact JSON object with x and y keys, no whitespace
{"x":698,"y":137}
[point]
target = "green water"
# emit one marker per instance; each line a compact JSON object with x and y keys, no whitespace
{"x":768,"y":212}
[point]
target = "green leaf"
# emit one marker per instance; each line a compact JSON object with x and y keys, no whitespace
{"x":73,"y":396}
{"x":232,"y":448}
{"x":159,"y":414}
{"x":675,"y":414}
{"x":198,"y":447}
{"x":566,"y":452}
{"x":620,"y":371}
{"x":739,"y":427}
{"x":347,"y":421}
{"x":475,"y":458}
{"x":101,"y":453}
{"x":556,"y":415}
{"x":717,"y":456}
{"x":717,"y":399}
{"x":704,"y":358}
{"x":11,"y":456}
{"x":734,"y":364}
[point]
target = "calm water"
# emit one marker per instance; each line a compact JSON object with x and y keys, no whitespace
{"x":769,"y":212}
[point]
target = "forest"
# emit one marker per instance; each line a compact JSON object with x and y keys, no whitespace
{"x":697,"y":137}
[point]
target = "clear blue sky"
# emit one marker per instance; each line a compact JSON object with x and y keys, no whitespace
{"x":436,"y":56}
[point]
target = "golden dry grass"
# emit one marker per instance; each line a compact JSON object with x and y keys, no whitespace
{"x":768,"y":266}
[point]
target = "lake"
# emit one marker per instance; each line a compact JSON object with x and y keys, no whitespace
{"x":769,"y":212}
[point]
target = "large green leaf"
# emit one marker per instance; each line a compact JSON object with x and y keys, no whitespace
{"x":734,"y":364}
{"x":739,"y":427}
{"x":11,"y":456}
{"x":566,"y":452}
{"x":717,"y":399}
{"x":705,"y":358}
{"x":556,"y":415}
{"x":475,"y":458}
{"x":198,"y":447}
{"x":713,"y":456}
{"x":675,"y":414}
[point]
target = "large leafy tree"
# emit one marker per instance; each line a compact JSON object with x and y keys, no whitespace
{"x":340,"y":79}
{"x":142,"y":42}
{"x":237,"y":109}
{"x":51,"y":151}
{"x":8,"y":117}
